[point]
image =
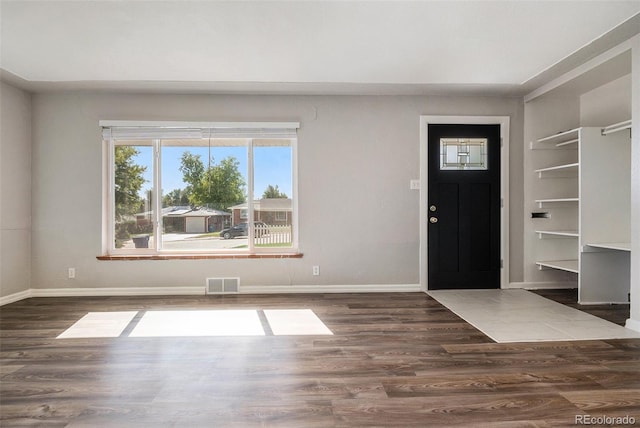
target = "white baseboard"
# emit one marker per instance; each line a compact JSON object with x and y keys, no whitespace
{"x":603,"y":303}
{"x":15,"y":297}
{"x":542,"y":285}
{"x":355,"y":288}
{"x":196,"y":291}
{"x":633,"y":324}
{"x":124,"y":291}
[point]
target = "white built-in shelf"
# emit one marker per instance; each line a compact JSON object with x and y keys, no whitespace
{"x":562,"y":138}
{"x":566,"y":143}
{"x":566,"y":265}
{"x":568,"y":233}
{"x":558,"y":168}
{"x":616,"y":127}
{"x":540,"y":202}
{"x":620,"y":246}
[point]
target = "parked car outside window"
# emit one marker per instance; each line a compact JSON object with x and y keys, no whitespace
{"x":241,"y":229}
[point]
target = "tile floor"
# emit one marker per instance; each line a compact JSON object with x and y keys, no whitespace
{"x":521,"y":316}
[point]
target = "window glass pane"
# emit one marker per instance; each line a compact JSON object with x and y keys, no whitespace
{"x":273,"y":191}
{"x":463,"y":154}
{"x":203,"y":182}
{"x":133,"y":184}
{"x":198,"y":198}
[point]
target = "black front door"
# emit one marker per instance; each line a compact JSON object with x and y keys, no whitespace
{"x":464,"y":206}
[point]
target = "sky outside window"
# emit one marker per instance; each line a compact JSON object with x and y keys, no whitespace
{"x":272,"y":165}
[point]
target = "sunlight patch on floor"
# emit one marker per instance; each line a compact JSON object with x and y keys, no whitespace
{"x":194,"y":323}
{"x":199,"y":323}
{"x":99,"y":324}
{"x":294,"y":322}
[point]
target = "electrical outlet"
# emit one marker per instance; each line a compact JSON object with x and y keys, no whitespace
{"x":316,"y":270}
{"x":72,"y":273}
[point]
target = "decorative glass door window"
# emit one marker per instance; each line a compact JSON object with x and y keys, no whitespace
{"x":463,"y":153}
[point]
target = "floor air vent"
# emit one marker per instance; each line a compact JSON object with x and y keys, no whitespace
{"x":223,"y":285}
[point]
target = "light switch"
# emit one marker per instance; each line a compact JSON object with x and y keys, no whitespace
{"x":414,"y":184}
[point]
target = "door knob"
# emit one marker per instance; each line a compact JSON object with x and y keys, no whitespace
{"x":432,"y":208}
{"x":433,"y":219}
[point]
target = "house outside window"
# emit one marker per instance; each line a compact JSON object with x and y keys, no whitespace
{"x":181,"y":187}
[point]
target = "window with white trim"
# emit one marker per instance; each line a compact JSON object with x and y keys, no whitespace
{"x":197,"y":187}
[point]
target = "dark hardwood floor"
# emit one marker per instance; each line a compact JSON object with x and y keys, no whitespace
{"x":617,"y":314}
{"x":394,"y":360}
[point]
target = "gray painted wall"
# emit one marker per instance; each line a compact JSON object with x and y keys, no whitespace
{"x":358,"y":217}
{"x":15,"y":190}
{"x":634,"y":320}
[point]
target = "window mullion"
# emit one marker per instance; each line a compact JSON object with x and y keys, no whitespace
{"x":111,"y":232}
{"x":294,"y":192}
{"x":157,"y":199}
{"x":250,"y":213}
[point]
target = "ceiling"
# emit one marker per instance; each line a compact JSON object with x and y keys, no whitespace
{"x":501,"y":47}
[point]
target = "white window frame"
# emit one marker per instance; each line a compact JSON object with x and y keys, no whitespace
{"x":156,"y":130}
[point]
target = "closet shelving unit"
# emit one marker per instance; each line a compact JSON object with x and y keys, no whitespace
{"x":602,"y":228}
{"x":618,"y":137}
{"x":565,"y":140}
{"x":605,"y":216}
{"x":558,"y":168}
{"x":565,"y":233}
{"x":615,"y":246}
{"x":617,"y":127}
{"x":577,"y":184}
{"x":542,"y":202}
{"x":565,"y":265}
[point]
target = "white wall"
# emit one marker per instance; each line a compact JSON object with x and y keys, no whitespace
{"x":607,"y":104}
{"x":634,"y":320}
{"x":358,"y":217}
{"x":15,"y":190}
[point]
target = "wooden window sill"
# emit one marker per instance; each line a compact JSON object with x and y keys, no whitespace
{"x":129,"y":257}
